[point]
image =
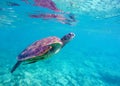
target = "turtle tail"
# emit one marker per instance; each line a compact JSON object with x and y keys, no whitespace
{"x":15,"y":66}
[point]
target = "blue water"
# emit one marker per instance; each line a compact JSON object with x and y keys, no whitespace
{"x":92,"y":58}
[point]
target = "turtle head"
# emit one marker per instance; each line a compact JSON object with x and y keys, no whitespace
{"x":65,"y":39}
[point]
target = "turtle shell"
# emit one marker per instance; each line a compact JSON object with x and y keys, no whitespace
{"x":39,"y":48}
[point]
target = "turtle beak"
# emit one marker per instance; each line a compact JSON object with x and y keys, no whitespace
{"x":71,"y":35}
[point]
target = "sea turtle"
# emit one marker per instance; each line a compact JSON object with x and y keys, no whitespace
{"x":42,"y":49}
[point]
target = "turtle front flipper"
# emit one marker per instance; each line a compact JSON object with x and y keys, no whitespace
{"x":15,"y":66}
{"x":29,"y":62}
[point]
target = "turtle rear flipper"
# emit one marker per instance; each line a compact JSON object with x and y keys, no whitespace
{"x":15,"y":66}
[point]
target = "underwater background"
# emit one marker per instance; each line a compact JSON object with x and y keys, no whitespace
{"x":92,"y":58}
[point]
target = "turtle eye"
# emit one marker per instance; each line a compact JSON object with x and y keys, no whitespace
{"x":71,"y":34}
{"x":67,"y":37}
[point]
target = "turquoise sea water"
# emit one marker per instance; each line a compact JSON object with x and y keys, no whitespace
{"x":92,"y":58}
